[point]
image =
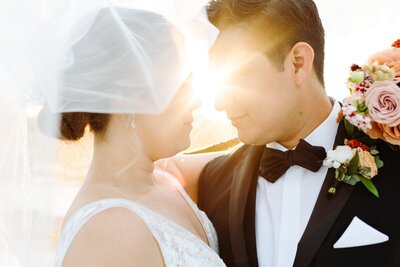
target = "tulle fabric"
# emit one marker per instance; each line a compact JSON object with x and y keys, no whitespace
{"x":39,"y":57}
{"x":124,"y":57}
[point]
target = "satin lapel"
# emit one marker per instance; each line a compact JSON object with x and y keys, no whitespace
{"x":250,"y":223}
{"x":243,"y":174}
{"x":325,"y":212}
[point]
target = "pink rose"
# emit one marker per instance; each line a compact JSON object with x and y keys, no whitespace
{"x":383,"y":102}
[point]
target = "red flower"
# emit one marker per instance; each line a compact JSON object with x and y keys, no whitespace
{"x":396,"y":43}
{"x":355,"y":67}
{"x":353,"y":143}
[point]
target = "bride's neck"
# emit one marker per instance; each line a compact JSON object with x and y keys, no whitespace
{"x":114,"y":163}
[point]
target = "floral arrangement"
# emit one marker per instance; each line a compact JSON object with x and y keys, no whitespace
{"x":371,"y":113}
{"x":374,"y":102}
{"x":354,"y":162}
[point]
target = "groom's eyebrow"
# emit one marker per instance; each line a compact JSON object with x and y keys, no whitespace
{"x":243,"y":70}
{"x":237,"y":76}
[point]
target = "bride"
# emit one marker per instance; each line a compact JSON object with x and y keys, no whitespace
{"x":125,"y":74}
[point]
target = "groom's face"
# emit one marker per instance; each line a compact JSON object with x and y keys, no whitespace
{"x":258,"y":97}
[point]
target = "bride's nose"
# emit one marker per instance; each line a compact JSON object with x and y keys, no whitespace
{"x":196,"y":103}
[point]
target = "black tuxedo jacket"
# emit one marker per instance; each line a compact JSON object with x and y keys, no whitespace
{"x":227,"y":191}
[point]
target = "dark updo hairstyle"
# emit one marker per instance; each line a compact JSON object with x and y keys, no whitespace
{"x":73,"y":124}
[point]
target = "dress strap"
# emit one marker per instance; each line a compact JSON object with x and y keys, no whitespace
{"x":84,"y":214}
{"x":202,"y":217}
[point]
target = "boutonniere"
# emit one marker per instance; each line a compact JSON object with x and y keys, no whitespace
{"x":354,"y":162}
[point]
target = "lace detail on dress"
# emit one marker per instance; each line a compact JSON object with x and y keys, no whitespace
{"x":179,"y":247}
{"x":201,"y":215}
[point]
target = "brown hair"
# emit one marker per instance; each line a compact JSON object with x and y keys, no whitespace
{"x":73,"y":124}
{"x":284,"y":22}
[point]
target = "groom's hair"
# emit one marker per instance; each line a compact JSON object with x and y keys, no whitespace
{"x":276,"y":24}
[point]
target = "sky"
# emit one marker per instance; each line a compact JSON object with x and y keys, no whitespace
{"x":354,"y":30}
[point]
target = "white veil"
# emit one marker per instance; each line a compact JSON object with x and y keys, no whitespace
{"x":45,"y":58}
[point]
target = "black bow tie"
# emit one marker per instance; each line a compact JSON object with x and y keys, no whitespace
{"x":274,"y":163}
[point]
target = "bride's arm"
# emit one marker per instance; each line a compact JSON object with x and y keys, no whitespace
{"x":187,"y":169}
{"x":114,"y":237}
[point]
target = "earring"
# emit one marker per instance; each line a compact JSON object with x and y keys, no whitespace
{"x":133,"y":121}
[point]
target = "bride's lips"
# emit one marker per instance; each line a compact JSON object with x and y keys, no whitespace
{"x":235,"y":119}
{"x":189,"y":122}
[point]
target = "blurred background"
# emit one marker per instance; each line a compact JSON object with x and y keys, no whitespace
{"x":32,"y":212}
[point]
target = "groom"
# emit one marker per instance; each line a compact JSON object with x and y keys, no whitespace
{"x":266,"y":208}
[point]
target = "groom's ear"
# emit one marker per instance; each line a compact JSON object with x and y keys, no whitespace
{"x":301,"y":58}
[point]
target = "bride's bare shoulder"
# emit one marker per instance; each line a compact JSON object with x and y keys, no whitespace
{"x":114,"y":237}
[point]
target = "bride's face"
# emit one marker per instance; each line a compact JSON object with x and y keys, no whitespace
{"x":166,"y":134}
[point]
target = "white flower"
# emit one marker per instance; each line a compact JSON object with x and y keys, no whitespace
{"x":348,"y":108}
{"x":351,"y":114}
{"x":380,"y":72}
{"x":341,"y":155}
{"x":358,"y":96}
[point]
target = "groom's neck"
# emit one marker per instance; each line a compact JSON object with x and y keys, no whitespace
{"x":317,"y":108}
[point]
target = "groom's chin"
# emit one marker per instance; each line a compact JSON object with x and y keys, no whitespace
{"x":245,"y":137}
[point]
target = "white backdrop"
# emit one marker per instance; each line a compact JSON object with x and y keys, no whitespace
{"x":354,"y":30}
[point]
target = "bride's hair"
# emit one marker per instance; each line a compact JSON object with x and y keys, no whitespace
{"x":73,"y":124}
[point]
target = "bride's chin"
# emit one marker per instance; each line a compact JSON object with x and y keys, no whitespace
{"x":183,"y":145}
{"x":177,"y":148}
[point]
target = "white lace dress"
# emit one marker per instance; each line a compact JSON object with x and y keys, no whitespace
{"x":178,"y":246}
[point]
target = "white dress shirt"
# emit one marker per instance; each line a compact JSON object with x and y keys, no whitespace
{"x":283,"y":208}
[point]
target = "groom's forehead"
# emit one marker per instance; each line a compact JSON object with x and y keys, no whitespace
{"x":235,"y":46}
{"x":232,"y":47}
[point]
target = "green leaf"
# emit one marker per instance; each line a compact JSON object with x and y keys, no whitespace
{"x":351,"y":180}
{"x":361,"y":107}
{"x":379,"y":163}
{"x":365,"y":172}
{"x":370,"y":186}
{"x":374,"y":152}
{"x":337,"y":173}
{"x":356,"y":77}
{"x":353,"y":165}
{"x":356,"y":177}
{"x":341,"y":176}
{"x":349,"y":128}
